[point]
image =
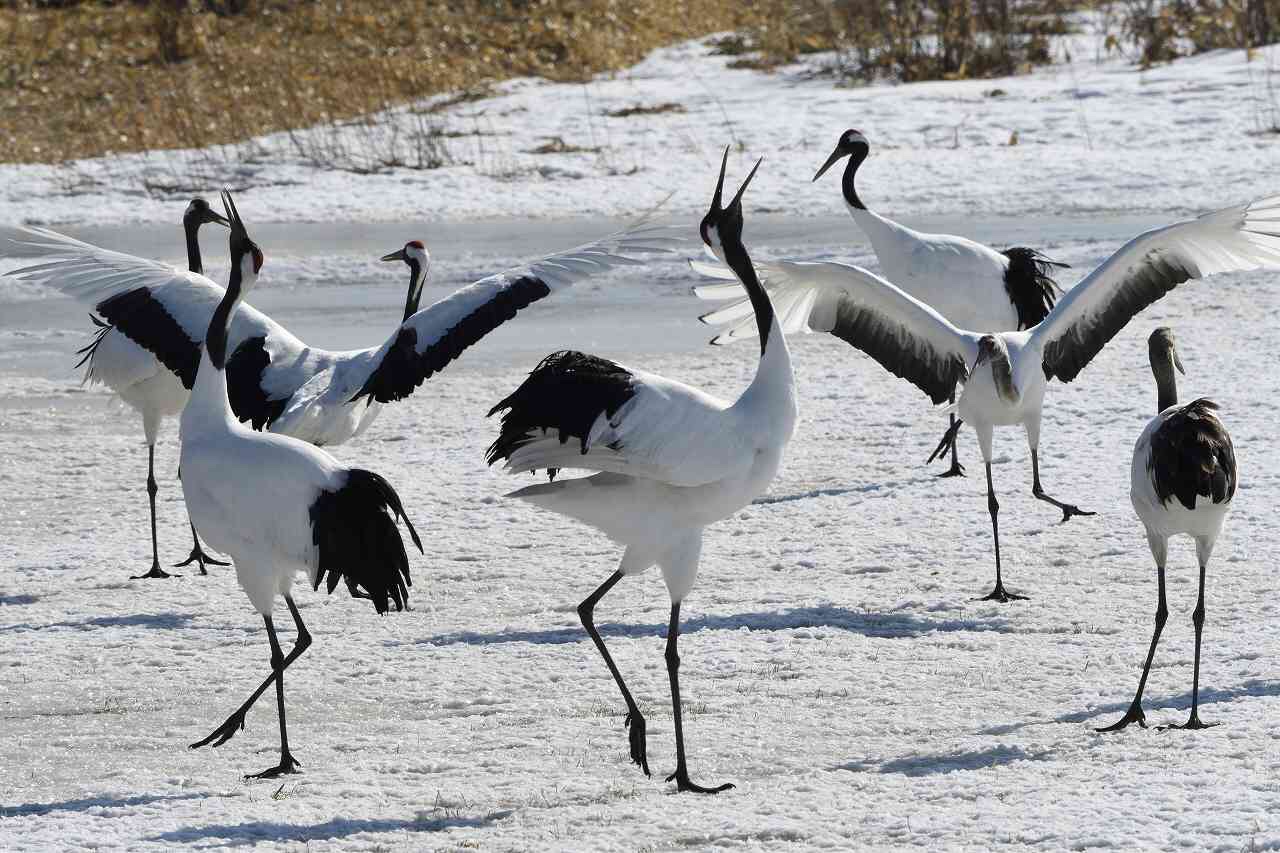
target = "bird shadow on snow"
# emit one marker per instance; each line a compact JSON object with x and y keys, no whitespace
{"x":162,"y":621}
{"x":86,"y":803}
{"x":262,"y":830}
{"x":926,"y":765}
{"x":1181,"y":702}
{"x":17,"y":599}
{"x":838,"y":618}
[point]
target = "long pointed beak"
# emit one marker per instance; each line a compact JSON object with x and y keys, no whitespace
{"x":737,"y":199}
{"x":718,"y":196}
{"x":397,"y":255}
{"x":232,"y":214}
{"x":1177,"y":362}
{"x":835,"y":157}
{"x":213,"y":216}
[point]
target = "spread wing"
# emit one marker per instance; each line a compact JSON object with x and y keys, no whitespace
{"x":1150,"y":265}
{"x":426,"y":342}
{"x":906,"y":336}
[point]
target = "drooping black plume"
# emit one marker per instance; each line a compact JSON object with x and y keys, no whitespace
{"x":1192,"y":455}
{"x":249,"y":401}
{"x":566,"y":392}
{"x":1029,"y":282}
{"x":141,"y":317}
{"x":357,"y":540}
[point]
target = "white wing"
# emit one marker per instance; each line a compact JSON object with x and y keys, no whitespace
{"x":1244,"y":237}
{"x":165,"y":310}
{"x":426,"y":342}
{"x":580,"y":411}
{"x":906,"y":336}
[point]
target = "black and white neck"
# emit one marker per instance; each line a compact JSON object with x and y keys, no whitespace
{"x":853,"y":145}
{"x":1164,"y":360}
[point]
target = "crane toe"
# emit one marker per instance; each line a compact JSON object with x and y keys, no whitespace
{"x":1133,"y":715}
{"x":288,"y":765}
{"x":639,"y":745}
{"x":683,"y":784}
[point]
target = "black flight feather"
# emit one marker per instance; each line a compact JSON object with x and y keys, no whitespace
{"x":249,"y":402}
{"x":355,"y":534}
{"x":1028,"y":280}
{"x":403,"y":368}
{"x":1192,"y":455}
{"x":566,"y":392}
{"x":144,"y":320}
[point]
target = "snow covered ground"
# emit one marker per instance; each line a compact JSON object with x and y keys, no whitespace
{"x":834,"y":663}
{"x":1095,"y":134}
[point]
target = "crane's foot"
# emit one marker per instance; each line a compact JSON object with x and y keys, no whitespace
{"x":1002,"y":595}
{"x":288,"y":765}
{"x":156,"y":572}
{"x":224,"y":732}
{"x":681,"y":778}
{"x":199,"y":557}
{"x":639,"y":746}
{"x":1193,"y":722}
{"x":956,"y":470}
{"x":1133,"y":715}
{"x":947,"y":443}
{"x":1068,"y":510}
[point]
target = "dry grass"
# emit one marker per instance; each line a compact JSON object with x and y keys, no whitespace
{"x":90,"y":79}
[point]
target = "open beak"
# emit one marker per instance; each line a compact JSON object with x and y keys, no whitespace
{"x":835,"y":157}
{"x":737,"y":199}
{"x":212,"y":215}
{"x":397,"y":255}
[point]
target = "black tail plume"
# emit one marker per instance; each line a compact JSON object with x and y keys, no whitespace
{"x":1030,"y":284}
{"x":354,"y":530}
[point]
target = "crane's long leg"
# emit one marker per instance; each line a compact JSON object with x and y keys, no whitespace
{"x":156,"y":571}
{"x":993,"y":506}
{"x":634,"y":720}
{"x":1068,"y":510}
{"x":235,"y":722}
{"x":288,"y":764}
{"x":681,"y":776}
{"x":1134,"y":714}
{"x":197,"y":553}
{"x":956,"y":469}
{"x":949,"y":441}
{"x":1197,"y":619}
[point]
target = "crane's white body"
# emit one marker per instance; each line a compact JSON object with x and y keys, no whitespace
{"x":690,"y":459}
{"x":961,"y":279}
{"x":139,"y":380}
{"x":249,"y":492}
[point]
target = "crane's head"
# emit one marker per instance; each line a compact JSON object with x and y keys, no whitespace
{"x":851,"y":144}
{"x":245,"y":254}
{"x":989,"y":346}
{"x":418,"y":259}
{"x":1163,"y":352}
{"x":200,"y":212}
{"x":724,"y":224}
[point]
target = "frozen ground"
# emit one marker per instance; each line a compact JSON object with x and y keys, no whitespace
{"x":835,"y":664}
{"x":1095,"y":134}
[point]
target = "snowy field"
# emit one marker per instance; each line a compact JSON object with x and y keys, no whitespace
{"x":1095,"y":134}
{"x":835,"y":664}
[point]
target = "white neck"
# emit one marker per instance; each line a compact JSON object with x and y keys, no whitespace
{"x":771,"y":396}
{"x":208,"y":410}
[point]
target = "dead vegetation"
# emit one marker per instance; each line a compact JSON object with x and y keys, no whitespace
{"x":81,"y":79}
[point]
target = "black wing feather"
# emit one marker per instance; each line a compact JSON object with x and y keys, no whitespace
{"x":144,"y":320}
{"x":354,"y":530}
{"x":888,"y":343}
{"x":1030,"y":284}
{"x":566,"y":392}
{"x":249,"y":402}
{"x":403,"y":368}
{"x":1192,"y":455}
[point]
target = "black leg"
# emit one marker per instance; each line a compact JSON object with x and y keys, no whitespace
{"x":235,"y":722}
{"x":1134,"y":714}
{"x":1068,"y":510}
{"x":948,"y":441}
{"x":198,"y":555}
{"x":634,"y":720}
{"x":956,"y":469}
{"x":156,"y":571}
{"x":993,"y":506}
{"x":287,"y":762}
{"x":1197,"y":619}
{"x":681,"y":776}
